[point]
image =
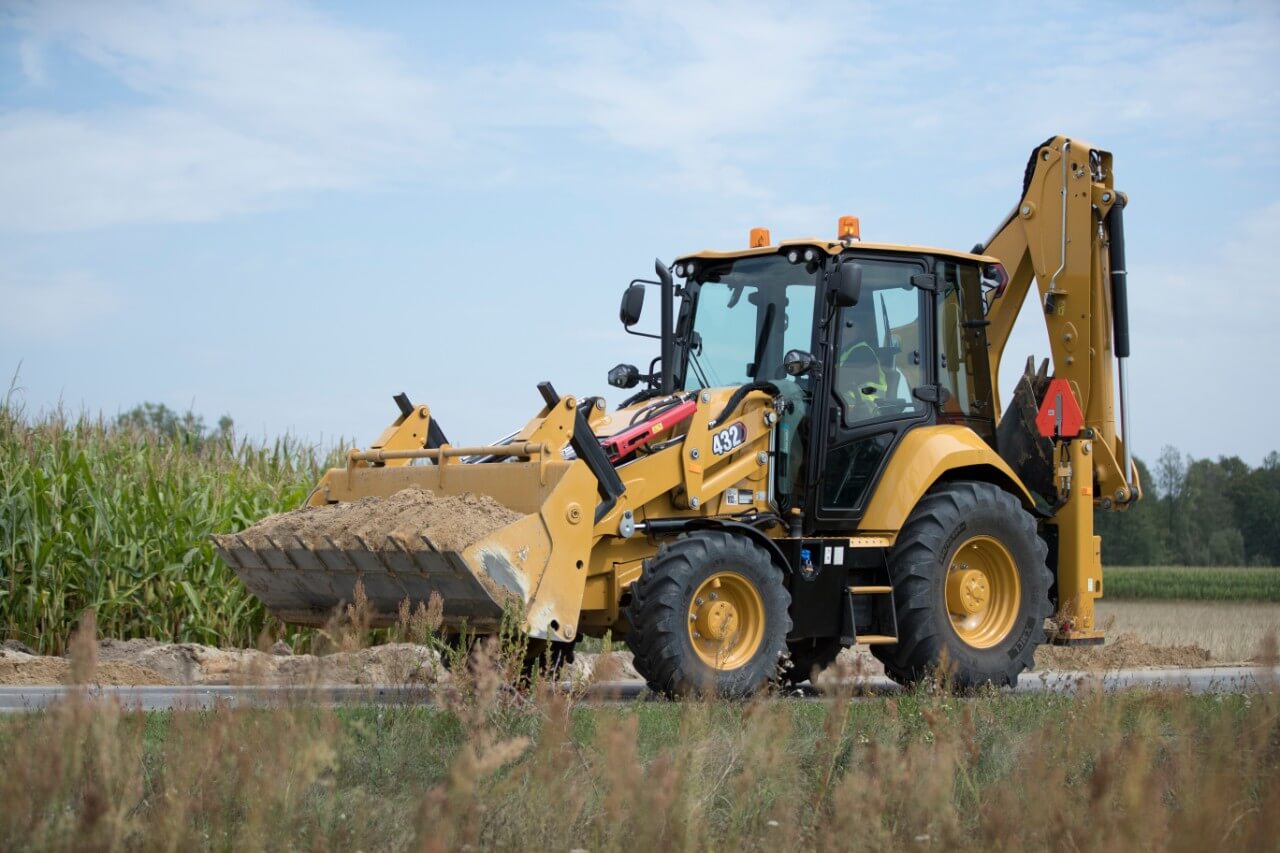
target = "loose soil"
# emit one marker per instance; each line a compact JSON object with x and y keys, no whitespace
{"x":20,"y":668}
{"x":1124,"y":651}
{"x":150,"y":662}
{"x":139,"y":662}
{"x":451,"y":522}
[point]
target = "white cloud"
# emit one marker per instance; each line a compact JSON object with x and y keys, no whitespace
{"x":53,"y":308}
{"x":31,"y":56}
{"x":230,"y":106}
{"x":145,"y":166}
{"x":233,"y":105}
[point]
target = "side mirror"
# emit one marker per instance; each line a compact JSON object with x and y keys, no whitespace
{"x":624,"y":376}
{"x":798,"y":362}
{"x":632,"y":304}
{"x":848,"y":285}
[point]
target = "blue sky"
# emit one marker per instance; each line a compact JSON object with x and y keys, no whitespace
{"x":289,"y":211}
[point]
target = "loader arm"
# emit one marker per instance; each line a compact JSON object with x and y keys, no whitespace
{"x":1066,"y":236}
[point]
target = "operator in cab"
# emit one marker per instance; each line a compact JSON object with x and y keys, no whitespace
{"x":860,"y":379}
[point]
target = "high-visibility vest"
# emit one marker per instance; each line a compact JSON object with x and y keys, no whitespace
{"x":880,"y":388}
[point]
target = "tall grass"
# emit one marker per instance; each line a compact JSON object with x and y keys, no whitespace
{"x":1182,"y":583}
{"x":487,"y":768}
{"x":113,"y":517}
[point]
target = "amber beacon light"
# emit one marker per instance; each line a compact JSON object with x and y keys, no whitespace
{"x":759,"y":237}
{"x":848,"y":229}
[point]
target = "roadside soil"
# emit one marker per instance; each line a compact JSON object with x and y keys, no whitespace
{"x":1122,"y":651}
{"x":147,"y":662}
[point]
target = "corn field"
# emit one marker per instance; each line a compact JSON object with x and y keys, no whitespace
{"x":117,"y":518}
{"x":1181,"y":583}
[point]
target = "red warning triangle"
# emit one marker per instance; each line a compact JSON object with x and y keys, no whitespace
{"x":1060,"y":414}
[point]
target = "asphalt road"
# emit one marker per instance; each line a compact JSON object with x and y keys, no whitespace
{"x":19,"y":698}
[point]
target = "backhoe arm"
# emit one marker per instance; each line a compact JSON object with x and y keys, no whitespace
{"x":1066,"y":235}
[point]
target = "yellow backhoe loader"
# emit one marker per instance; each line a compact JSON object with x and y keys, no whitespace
{"x":817,"y":457}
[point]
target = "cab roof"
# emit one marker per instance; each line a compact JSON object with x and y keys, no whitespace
{"x":832,"y":247}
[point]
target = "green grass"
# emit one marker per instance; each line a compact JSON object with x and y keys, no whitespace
{"x":1123,"y":771}
{"x":1174,"y":583}
{"x":117,"y":518}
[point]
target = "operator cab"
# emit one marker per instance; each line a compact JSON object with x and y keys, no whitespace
{"x":853,"y":378}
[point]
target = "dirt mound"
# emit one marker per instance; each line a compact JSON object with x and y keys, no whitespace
{"x":616,"y":666}
{"x":1125,"y":651}
{"x":452,"y":522}
{"x":149,"y":662}
{"x":20,"y":668}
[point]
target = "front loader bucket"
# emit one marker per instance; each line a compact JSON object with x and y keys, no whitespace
{"x":527,"y":555}
{"x":304,"y":581}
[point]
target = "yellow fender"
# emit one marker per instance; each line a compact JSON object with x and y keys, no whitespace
{"x":926,"y":455}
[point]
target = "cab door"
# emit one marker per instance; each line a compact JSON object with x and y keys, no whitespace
{"x":877,"y":353}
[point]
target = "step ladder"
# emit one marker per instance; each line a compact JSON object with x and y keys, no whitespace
{"x":884,"y":614}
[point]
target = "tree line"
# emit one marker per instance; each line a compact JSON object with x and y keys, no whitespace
{"x":1198,"y":512}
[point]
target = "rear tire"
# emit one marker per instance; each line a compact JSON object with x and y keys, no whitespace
{"x":709,"y":615}
{"x":970,"y":586}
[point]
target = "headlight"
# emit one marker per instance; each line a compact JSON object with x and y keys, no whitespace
{"x":793,"y":256}
{"x":810,"y":255}
{"x":680,"y":270}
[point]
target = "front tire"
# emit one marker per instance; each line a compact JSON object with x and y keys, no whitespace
{"x":971,"y":589}
{"x":709,"y":614}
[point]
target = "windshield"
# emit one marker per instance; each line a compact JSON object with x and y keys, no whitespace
{"x":748,"y":313}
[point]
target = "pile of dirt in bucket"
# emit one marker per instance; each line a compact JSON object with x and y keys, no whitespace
{"x":1125,"y":651}
{"x":451,"y":522}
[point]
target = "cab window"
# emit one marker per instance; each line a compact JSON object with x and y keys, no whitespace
{"x":878,"y":359}
{"x":962,"y":343}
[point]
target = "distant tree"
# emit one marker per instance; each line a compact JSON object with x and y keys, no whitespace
{"x":1207,"y":533}
{"x":1171,"y":472}
{"x":1136,"y":536}
{"x":167,"y":425}
{"x":1257,"y":500}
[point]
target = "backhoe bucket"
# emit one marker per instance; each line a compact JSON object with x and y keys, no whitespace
{"x":527,"y":557}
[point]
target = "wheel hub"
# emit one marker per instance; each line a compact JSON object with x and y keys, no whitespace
{"x":968,"y":591}
{"x":716,"y":620}
{"x":983,"y":592}
{"x":726,"y":620}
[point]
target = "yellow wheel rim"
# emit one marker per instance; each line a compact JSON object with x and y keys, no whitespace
{"x":983,"y":592}
{"x":726,"y":621}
